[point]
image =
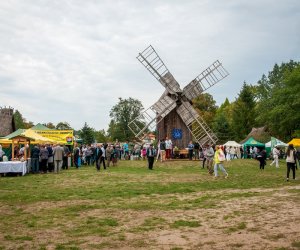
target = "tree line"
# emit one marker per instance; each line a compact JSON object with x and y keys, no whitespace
{"x":273,"y":102}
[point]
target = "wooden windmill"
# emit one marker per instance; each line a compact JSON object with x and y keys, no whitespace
{"x":173,"y":114}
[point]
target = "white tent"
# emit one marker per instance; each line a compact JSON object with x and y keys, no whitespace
{"x":232,"y":144}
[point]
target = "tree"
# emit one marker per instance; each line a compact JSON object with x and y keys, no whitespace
{"x":87,"y":134}
{"x":222,"y":122}
{"x":122,"y":113}
{"x":49,"y":125}
{"x":29,"y":124}
{"x":101,"y":136}
{"x":18,"y":120}
{"x":243,"y":112}
{"x":276,"y":94}
{"x":63,"y":126}
{"x":206,"y":107}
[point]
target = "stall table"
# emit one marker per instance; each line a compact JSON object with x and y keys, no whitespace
{"x":13,"y":167}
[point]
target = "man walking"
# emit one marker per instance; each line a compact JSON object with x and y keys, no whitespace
{"x":276,"y":154}
{"x":58,"y":154}
{"x":100,"y":156}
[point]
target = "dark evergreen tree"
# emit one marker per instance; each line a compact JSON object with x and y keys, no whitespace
{"x":243,"y":113}
{"x":87,"y":134}
{"x":18,"y":119}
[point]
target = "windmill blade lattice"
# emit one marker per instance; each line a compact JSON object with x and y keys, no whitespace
{"x":152,"y":115}
{"x":153,"y":63}
{"x":209,"y":77}
{"x":197,"y":126}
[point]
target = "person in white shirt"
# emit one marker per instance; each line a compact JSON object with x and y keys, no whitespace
{"x":169,"y":146}
{"x":276,"y":154}
{"x":291,"y":161}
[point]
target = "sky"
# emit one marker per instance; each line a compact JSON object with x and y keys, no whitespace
{"x":71,"y":60}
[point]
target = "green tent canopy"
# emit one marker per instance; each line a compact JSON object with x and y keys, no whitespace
{"x":252,"y":143}
{"x":40,"y":127}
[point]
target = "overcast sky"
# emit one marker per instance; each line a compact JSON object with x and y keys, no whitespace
{"x":68,"y":60}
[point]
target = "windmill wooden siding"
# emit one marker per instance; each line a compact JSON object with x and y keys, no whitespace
{"x":170,"y":122}
{"x":6,"y":121}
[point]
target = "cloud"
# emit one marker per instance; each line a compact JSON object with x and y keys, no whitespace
{"x":71,"y":60}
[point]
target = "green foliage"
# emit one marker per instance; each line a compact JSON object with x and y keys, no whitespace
{"x":122,"y":114}
{"x":243,"y":112}
{"x":206,"y":107}
{"x":222,"y":122}
{"x":63,"y":126}
{"x":49,"y":125}
{"x":18,"y":119}
{"x":279,"y":100}
{"x":101,"y":136}
{"x":87,"y":134}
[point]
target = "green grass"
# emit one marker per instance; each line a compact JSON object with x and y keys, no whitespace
{"x":88,"y":209}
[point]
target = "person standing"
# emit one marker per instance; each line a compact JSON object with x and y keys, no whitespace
{"x":100,"y":157}
{"x":126,"y":151}
{"x":219,"y":157}
{"x":261,"y":157}
{"x":169,"y":146}
{"x":76,"y":153}
{"x":196,"y":150}
{"x":98,"y":154}
{"x":58,"y":154}
{"x":150,"y":156}
{"x":204,"y":151}
{"x":275,"y":153}
{"x":65,"y":158}
{"x":162,"y":150}
{"x":209,"y":159}
{"x":44,"y":155}
{"x":291,"y":162}
{"x":35,"y":154}
{"x":109,"y":154}
{"x":50,"y":158}
{"x":191,"y":150}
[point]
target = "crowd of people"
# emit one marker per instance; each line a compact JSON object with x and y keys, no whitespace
{"x":52,"y":158}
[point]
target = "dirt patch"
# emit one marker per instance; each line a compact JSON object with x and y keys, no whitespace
{"x":268,"y":220}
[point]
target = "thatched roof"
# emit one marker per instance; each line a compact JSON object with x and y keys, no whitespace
{"x":260,"y":134}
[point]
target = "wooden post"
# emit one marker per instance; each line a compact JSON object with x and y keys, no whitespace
{"x":13,"y":150}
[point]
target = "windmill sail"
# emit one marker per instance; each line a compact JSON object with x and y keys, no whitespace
{"x":153,"y":63}
{"x":209,"y":77}
{"x":152,"y":116}
{"x":197,"y":126}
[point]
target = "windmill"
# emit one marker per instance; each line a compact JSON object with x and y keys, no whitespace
{"x":173,"y":114}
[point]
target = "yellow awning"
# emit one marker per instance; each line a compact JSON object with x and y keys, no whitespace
{"x":35,"y":136}
{"x":295,"y":142}
{"x":5,"y":141}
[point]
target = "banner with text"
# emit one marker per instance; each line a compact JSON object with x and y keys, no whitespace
{"x":58,"y":136}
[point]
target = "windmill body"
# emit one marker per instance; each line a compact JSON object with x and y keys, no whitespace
{"x":173,"y":114}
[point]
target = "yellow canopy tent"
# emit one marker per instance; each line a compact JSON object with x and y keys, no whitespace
{"x":295,"y":142}
{"x":26,"y":137}
{"x":36,"y":137}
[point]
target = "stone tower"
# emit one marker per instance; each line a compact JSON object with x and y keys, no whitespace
{"x":6,"y":121}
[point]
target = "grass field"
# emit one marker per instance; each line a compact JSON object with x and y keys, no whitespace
{"x":175,"y":206}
